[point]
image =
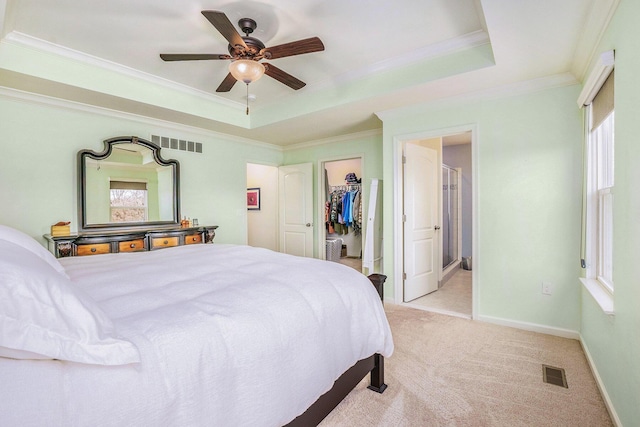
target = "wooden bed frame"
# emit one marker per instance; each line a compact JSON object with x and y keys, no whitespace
{"x":373,"y":364}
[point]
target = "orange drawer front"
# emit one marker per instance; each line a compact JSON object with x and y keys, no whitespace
{"x":164,"y":242}
{"x":100,"y":248}
{"x":194,"y":238}
{"x":131,"y":246}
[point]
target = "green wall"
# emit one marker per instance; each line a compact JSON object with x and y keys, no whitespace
{"x":528,"y":184}
{"x":614,"y":342}
{"x":38,"y":183}
{"x":368,"y":146}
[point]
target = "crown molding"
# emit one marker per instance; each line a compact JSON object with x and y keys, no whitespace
{"x":594,"y":28}
{"x":497,"y":92}
{"x":37,"y":44}
{"x":427,"y":53}
{"x":33,"y":98}
{"x":447,"y":47}
{"x":333,"y":139}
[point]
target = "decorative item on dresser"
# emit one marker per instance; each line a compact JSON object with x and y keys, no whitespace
{"x":128,"y":240}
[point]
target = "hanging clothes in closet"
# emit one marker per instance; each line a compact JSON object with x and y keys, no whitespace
{"x":343,"y":209}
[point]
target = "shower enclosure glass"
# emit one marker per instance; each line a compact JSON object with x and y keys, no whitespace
{"x":450,"y":212}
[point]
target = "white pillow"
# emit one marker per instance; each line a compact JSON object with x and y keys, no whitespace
{"x":19,"y":238}
{"x":42,"y":312}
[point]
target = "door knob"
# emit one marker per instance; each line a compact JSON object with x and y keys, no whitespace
{"x":308,"y":224}
{"x":437,"y":227}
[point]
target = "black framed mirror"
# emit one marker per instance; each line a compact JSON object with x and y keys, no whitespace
{"x":128,"y":185}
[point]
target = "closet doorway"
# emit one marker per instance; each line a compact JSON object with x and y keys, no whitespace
{"x":341,"y":206}
{"x":452,"y":227}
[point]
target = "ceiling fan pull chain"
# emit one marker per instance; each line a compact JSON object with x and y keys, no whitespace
{"x":247,"y":99}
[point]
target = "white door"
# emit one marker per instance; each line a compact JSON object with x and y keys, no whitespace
{"x":296,"y":209}
{"x":420,"y":225}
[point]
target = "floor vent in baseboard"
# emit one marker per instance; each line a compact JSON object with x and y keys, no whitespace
{"x":555,"y":376}
{"x":177,"y":144}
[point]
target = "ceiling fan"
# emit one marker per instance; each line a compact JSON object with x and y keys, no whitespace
{"x":245,"y":52}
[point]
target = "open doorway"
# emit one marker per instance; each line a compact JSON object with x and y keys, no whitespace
{"x":280,"y":208}
{"x":342,"y":210}
{"x":262,"y":213}
{"x":436,"y":206}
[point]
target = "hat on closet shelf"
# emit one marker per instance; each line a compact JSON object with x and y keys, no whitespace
{"x":351,"y":178}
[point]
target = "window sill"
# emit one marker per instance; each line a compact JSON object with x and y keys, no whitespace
{"x":601,"y":296}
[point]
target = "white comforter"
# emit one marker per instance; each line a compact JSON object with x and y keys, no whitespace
{"x":228,"y":336}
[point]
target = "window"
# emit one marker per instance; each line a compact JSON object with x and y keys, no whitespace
{"x":600,"y":188}
{"x":128,"y":201}
{"x":601,"y":195}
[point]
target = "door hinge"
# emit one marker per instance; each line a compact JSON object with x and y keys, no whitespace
{"x":404,"y":160}
{"x":404,"y":276}
{"x":404,"y":218}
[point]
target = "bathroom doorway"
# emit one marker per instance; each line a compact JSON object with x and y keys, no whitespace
{"x":453,"y":227}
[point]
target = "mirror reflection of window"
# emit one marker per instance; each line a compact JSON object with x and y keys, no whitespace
{"x":128,"y":201}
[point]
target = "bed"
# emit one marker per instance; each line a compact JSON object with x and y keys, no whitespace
{"x":215,"y":335}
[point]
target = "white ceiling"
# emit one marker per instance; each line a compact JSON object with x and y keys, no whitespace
{"x":379,"y":55}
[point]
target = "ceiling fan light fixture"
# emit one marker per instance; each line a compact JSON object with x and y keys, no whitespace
{"x":246,"y":70}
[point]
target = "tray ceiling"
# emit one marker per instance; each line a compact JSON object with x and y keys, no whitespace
{"x":379,"y":57}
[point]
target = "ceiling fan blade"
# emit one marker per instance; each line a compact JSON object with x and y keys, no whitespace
{"x":283,"y":77}
{"x":227,"y":83}
{"x":226,"y":28}
{"x":192,"y":56}
{"x":313,"y":44}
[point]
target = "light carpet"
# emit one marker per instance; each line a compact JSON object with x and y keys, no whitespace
{"x":449,"y":371}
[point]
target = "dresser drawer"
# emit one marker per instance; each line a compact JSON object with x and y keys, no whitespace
{"x":164,"y":242}
{"x":95,"y":249}
{"x":131,"y":246}
{"x":193,"y":238}
{"x":134,"y":240}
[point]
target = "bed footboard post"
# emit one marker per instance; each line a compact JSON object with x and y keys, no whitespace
{"x":378,"y":283}
{"x":377,"y":375}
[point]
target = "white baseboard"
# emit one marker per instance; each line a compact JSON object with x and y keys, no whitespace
{"x":559,"y":332}
{"x":603,"y":390}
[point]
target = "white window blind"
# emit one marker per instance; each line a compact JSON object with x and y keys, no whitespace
{"x":127,"y":185}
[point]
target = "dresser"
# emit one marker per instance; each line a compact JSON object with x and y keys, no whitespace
{"x":128,"y":241}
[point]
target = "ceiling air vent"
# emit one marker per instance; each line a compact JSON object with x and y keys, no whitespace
{"x":555,"y":376}
{"x":177,"y":144}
